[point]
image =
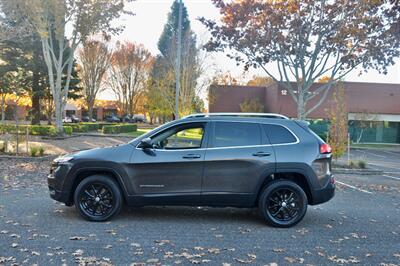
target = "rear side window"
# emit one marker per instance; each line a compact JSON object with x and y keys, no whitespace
{"x":229,"y":134}
{"x":278,"y":134}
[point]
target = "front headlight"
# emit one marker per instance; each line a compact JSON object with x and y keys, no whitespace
{"x":63,"y":159}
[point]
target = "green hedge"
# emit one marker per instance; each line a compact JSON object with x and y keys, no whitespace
{"x":42,"y":130}
{"x":116,"y":129}
{"x":68,"y":130}
{"x":39,"y":130}
{"x":103,"y":124}
{"x":79,"y":128}
{"x":91,"y":126}
{"x":83,"y":126}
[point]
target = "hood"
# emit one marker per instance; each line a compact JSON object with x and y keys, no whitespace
{"x":112,"y":153}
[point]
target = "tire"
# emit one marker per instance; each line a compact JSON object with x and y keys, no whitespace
{"x":282,"y":203}
{"x":98,"y":198}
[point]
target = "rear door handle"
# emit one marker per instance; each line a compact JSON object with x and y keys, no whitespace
{"x":191,"y":156}
{"x":261,"y":154}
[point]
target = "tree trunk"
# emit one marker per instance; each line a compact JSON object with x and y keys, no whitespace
{"x":3,"y":108}
{"x":36,"y":94}
{"x":90,"y":111}
{"x":301,"y":106}
{"x":58,"y":102}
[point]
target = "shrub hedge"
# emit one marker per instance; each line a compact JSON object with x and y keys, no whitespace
{"x":116,"y":129}
{"x":40,"y":130}
{"x":84,"y":126}
{"x":91,"y":126}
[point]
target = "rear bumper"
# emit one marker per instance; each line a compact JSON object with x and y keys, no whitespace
{"x":324,"y":194}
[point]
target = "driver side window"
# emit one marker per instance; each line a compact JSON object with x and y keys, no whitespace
{"x":180,"y":137}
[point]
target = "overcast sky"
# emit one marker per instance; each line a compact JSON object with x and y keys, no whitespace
{"x":151,"y":15}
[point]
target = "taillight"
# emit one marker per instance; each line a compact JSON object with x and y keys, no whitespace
{"x":325,"y":148}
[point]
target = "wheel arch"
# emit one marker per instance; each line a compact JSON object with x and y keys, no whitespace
{"x":295,"y":176}
{"x":83,"y":173}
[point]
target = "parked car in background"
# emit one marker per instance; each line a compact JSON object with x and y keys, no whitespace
{"x":75,"y":119}
{"x":139,"y":118}
{"x":127,"y":119}
{"x":71,"y":119}
{"x":87,"y":119}
{"x":241,"y":160}
{"x":67,"y":119}
{"x":112,"y":119}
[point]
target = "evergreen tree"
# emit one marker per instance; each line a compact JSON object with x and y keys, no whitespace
{"x":170,"y":32}
{"x":164,"y":68}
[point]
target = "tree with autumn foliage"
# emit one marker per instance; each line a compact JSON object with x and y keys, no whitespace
{"x":62,"y":25}
{"x":252,"y":105}
{"x":94,"y":59}
{"x":306,"y":40}
{"x":128,"y":75}
{"x":338,"y":116}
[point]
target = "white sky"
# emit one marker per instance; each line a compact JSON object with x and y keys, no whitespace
{"x":151,"y":15}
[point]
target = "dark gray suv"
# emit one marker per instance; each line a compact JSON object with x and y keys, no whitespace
{"x":239,"y":160}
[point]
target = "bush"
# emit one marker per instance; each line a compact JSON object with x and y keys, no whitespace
{"x":116,"y":129}
{"x":362,"y":164}
{"x":102,"y":124}
{"x":42,"y":130}
{"x":67,"y":130}
{"x":358,"y":164}
{"x":79,"y":128}
{"x":91,"y":126}
{"x":41,"y":151}
{"x":34,"y":151}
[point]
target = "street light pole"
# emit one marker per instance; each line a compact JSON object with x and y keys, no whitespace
{"x":178,"y":62}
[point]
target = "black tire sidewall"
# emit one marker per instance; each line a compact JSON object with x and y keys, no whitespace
{"x":271,"y":187}
{"x":111,"y":184}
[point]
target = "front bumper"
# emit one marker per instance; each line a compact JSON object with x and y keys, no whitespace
{"x":55,"y":181}
{"x":324,"y":194}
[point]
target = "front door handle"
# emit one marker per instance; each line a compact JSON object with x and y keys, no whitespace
{"x":261,"y":154}
{"x":191,"y":156}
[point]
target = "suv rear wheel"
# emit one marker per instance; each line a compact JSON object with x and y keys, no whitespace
{"x":283,"y":203}
{"x":98,"y":198}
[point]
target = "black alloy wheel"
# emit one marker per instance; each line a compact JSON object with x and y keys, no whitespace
{"x":98,"y":198}
{"x":283,"y":203}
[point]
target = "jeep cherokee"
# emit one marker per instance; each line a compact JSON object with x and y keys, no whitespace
{"x":222,"y":159}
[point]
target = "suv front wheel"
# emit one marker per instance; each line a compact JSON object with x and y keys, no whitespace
{"x":98,"y":198}
{"x":283,"y":203}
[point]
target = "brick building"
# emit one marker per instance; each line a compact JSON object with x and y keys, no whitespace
{"x":373,"y":108}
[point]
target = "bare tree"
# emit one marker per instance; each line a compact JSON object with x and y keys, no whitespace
{"x":130,"y":68}
{"x":62,"y":26}
{"x":95,"y":59}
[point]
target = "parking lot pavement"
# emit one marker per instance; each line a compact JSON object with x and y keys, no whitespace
{"x":354,"y":227}
{"x":378,"y":159}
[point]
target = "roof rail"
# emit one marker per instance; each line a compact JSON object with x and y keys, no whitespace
{"x":261,"y":115}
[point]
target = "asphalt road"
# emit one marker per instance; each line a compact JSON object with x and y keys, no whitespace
{"x":360,"y":225}
{"x":384,"y":160}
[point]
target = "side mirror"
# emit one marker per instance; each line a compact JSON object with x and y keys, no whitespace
{"x":146,"y":143}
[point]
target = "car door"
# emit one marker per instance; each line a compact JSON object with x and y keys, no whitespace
{"x":173,"y":169}
{"x":237,"y":159}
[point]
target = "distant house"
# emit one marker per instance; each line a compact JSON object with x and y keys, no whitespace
{"x":374,"y":105}
{"x":101,"y":109}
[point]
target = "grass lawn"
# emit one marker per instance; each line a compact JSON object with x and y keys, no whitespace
{"x":138,"y":132}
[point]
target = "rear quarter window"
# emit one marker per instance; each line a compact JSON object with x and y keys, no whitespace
{"x":278,"y":134}
{"x":229,"y":134}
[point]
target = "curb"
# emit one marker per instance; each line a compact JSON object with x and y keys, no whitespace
{"x":356,"y":171}
{"x":103,"y":135}
{"x":60,"y":138}
{"x":43,"y":158}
